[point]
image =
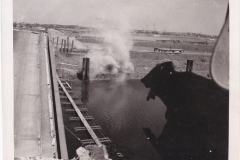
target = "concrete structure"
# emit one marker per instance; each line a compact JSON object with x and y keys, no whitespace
{"x":33,"y":132}
{"x":62,"y":147}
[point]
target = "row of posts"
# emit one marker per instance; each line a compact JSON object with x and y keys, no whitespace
{"x":64,"y":45}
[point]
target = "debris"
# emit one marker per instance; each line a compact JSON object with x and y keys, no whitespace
{"x":83,"y":153}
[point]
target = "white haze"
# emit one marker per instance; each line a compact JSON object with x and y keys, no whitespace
{"x":115,"y":57}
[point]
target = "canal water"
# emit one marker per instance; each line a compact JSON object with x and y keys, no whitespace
{"x":121,"y":109}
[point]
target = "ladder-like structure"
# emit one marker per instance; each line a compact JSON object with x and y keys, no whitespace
{"x":79,"y":110}
{"x":67,"y":100}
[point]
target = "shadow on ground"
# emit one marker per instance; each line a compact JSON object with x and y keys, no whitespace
{"x":197,"y":115}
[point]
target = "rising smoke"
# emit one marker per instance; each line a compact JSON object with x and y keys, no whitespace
{"x":114,"y":58}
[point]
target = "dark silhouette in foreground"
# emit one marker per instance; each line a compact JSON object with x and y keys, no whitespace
{"x":197,"y":115}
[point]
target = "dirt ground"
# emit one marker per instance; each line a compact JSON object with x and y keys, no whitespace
{"x":145,"y":61}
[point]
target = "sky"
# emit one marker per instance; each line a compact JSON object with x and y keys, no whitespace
{"x":198,"y":16}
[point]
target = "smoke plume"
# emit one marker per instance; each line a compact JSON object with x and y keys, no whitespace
{"x":114,"y":58}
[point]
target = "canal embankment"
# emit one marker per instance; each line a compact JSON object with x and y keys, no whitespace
{"x":34,"y":134}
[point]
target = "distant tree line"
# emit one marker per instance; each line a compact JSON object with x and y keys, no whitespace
{"x":187,"y":34}
{"x":92,"y":29}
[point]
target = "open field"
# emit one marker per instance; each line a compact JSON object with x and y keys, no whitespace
{"x":142,"y":57}
{"x":152,"y":37}
{"x":156,"y":44}
{"x":144,"y":62}
{"x":161,"y":41}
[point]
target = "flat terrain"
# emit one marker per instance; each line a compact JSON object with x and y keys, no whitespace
{"x":144,"y":62}
{"x":142,"y":56}
{"x":31,"y":112}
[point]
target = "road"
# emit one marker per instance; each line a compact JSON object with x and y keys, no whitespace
{"x":32,"y":134}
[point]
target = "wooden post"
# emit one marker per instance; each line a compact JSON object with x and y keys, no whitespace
{"x":72,"y":45}
{"x":64,"y":49}
{"x":189,"y":65}
{"x":85,"y":69}
{"x":61,"y":46}
{"x":67,"y":44}
{"x":57,"y":42}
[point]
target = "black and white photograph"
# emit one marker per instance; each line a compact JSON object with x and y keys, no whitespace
{"x":123,"y":80}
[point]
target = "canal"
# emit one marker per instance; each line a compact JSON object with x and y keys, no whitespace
{"x":121,"y":109}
